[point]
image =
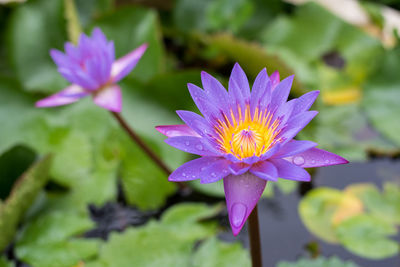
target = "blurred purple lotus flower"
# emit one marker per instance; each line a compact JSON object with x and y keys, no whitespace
{"x":246,"y":138}
{"x":92,"y":69}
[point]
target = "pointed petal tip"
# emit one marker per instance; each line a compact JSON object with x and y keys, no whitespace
{"x":237,"y":217}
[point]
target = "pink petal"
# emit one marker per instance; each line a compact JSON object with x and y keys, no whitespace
{"x":316,"y":157}
{"x":122,"y":66}
{"x":242,"y":194}
{"x":109,"y":98}
{"x":69,"y":95}
{"x":176,"y":130}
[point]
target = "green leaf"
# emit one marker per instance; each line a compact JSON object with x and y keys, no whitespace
{"x":367,"y":236}
{"x":213,"y":252}
{"x":159,"y":243}
{"x":318,"y":262}
{"x":130,"y":27}
{"x":382,"y":205}
{"x":60,"y":254}
{"x":186,"y":220}
{"x":13,"y":163}
{"x":47,"y":240}
{"x":53,"y":227}
{"x":189,"y":213}
{"x":24,"y":192}
{"x":35,"y":70}
{"x":317,"y":209}
{"x":144,"y":183}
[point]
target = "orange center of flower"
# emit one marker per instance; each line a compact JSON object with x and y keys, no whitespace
{"x":247,"y":135}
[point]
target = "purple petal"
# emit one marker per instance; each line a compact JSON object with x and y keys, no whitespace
{"x":281,"y":93}
{"x":284,"y":112}
{"x":239,"y":89}
{"x":270,"y":152}
{"x":122,"y":66}
{"x":98,"y":36}
{"x":242,"y":194}
{"x":251,"y":160}
{"x":275,"y":78}
{"x":193,"y":145}
{"x":265,"y":170}
{"x":109,"y":98}
{"x":69,"y":95}
{"x":215,"y":172}
{"x":294,"y":147}
{"x":316,"y":157}
{"x":215,"y":91}
{"x":191,"y":170}
{"x":196,"y":122}
{"x":258,"y":90}
{"x":287,"y":170}
{"x":203,"y":103}
{"x":176,"y":130}
{"x":295,"y":125}
{"x":60,"y":58}
{"x":305,"y":101}
{"x":239,"y":168}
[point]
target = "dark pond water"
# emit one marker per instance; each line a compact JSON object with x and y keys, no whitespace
{"x":284,"y":237}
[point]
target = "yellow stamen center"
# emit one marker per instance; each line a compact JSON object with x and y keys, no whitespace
{"x":247,"y":135}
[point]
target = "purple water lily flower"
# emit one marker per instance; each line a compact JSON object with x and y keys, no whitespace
{"x":246,"y":138}
{"x":92,"y":69}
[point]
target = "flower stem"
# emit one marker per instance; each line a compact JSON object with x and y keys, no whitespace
{"x":254,"y":236}
{"x":141,"y":143}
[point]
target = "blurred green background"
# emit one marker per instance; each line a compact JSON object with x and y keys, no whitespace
{"x":76,"y":192}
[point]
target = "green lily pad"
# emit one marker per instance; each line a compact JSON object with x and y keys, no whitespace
{"x":367,"y":236}
{"x":383,"y":205}
{"x":317,"y":209}
{"x":168,"y":242}
{"x":49,"y":240}
{"x":213,"y":252}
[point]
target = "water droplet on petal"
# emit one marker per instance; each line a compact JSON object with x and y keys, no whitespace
{"x":298,"y":160}
{"x":213,"y":174}
{"x":313,"y":162}
{"x":183,"y":174}
{"x":238,"y":213}
{"x":199,"y":147}
{"x":187,"y":143}
{"x":327,"y":161}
